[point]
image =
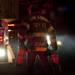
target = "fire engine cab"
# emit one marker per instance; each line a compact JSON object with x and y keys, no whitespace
{"x":37,"y":39}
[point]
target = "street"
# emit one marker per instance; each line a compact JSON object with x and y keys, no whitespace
{"x":12,"y":69}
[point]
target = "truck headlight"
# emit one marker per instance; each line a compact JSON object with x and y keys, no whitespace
{"x":59,"y":43}
{"x":48,"y":39}
{"x":2,"y":52}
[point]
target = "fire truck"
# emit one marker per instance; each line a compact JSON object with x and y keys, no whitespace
{"x":37,"y":42}
{"x":38,"y":36}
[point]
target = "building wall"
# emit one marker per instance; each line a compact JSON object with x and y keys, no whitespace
{"x":8,"y":9}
